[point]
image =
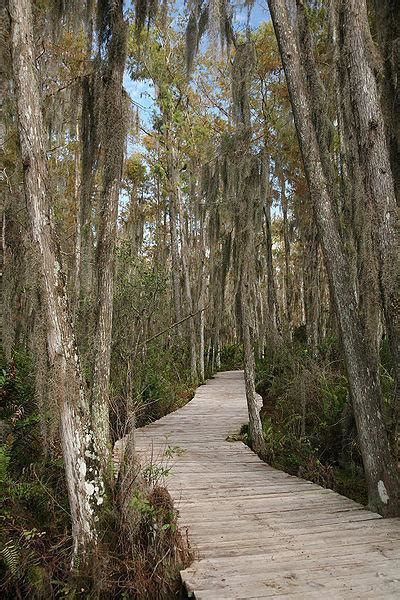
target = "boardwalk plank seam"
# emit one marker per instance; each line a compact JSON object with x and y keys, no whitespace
{"x":259,"y":532}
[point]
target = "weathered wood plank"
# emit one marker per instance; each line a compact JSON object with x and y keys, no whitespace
{"x":258,"y":532}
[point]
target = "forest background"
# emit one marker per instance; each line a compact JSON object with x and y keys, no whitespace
{"x":177,"y":205}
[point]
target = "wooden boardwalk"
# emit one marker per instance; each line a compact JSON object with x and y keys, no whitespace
{"x":258,"y":532}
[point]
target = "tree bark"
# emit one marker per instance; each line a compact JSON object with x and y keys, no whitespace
{"x":380,"y":468}
{"x":246,"y":248}
{"x":188,"y":290}
{"x":80,"y":452}
{"x":113,"y":123}
{"x":89,"y":155}
{"x":387,"y":26}
{"x":202,"y":296}
{"x":311,"y":286}
{"x":78,"y":236}
{"x":375,"y":160}
{"x":286,"y":244}
{"x":271,"y":288}
{"x":175,"y":258}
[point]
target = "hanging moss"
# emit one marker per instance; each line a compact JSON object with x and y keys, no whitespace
{"x":214,"y":17}
{"x":242,"y":70}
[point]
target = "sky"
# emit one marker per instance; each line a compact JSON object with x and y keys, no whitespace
{"x":259,"y":13}
{"x":142,"y":93}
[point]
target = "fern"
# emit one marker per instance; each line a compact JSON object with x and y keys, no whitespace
{"x":12,"y":557}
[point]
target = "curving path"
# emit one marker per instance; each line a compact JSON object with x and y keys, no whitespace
{"x":258,"y":532}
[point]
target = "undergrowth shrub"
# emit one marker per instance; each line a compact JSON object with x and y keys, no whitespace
{"x":165,"y":383}
{"x":308,"y":422}
{"x":231,"y":357}
{"x":160,"y":384}
{"x":142,"y":549}
{"x":34,"y":538}
{"x":140,"y":559}
{"x":150,"y":373}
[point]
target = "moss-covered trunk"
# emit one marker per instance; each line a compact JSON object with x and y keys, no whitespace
{"x":381,"y":470}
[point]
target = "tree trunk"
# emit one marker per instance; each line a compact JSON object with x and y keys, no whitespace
{"x":286,"y":244}
{"x":89,"y":154}
{"x":80,"y":452}
{"x":311,"y":286}
{"x":78,"y":236}
{"x":113,"y":124}
{"x":188,"y":291}
{"x":358,"y":230}
{"x":375,"y":160}
{"x":175,"y":258}
{"x":202,"y":296}
{"x":380,"y":468}
{"x":271,"y":292}
{"x":246,"y":248}
{"x":255,"y":427}
{"x":387,"y":25}
{"x":201,"y":345}
{"x":271,"y":288}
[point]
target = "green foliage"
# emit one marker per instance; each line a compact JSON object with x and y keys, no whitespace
{"x":17,"y":385}
{"x":166,"y":382}
{"x":391,"y":405}
{"x":172,"y":451}
{"x":231,"y":357}
{"x":134,"y":170}
{"x":33,"y":501}
{"x":4,"y":462}
{"x":35,"y":537}
{"x":142,"y":540}
{"x":142,"y":505}
{"x":154,"y":473}
{"x":152,"y":377}
{"x":11,"y":556}
{"x":308,"y":423}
